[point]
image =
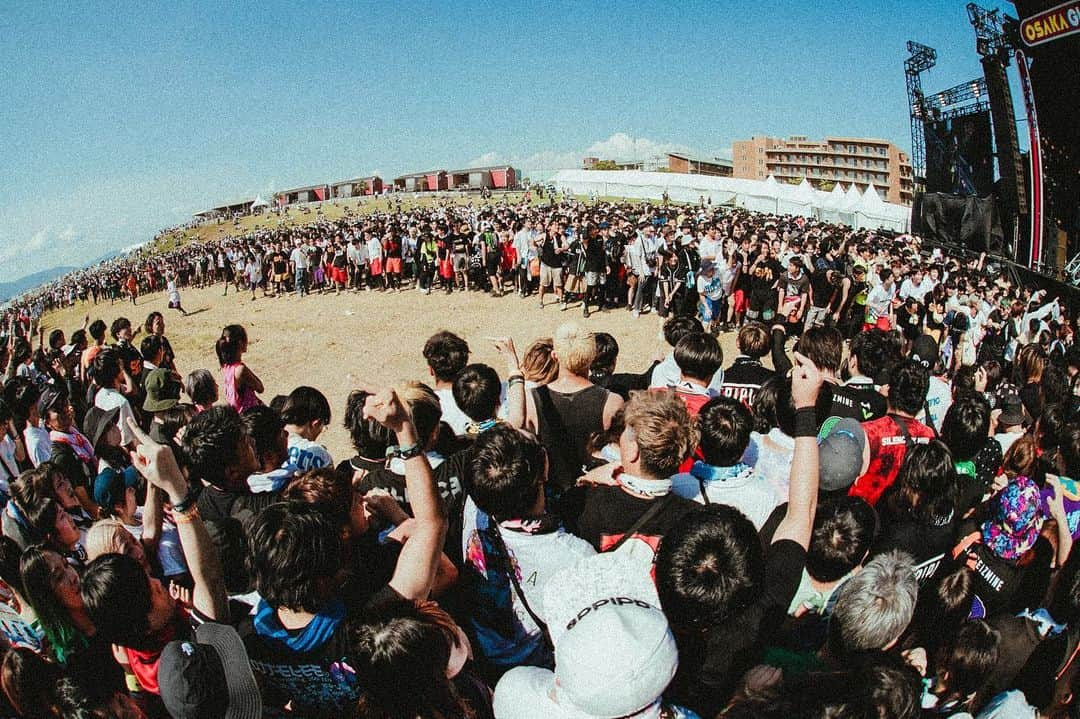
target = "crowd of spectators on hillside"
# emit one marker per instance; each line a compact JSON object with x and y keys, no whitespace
{"x":868,"y":512}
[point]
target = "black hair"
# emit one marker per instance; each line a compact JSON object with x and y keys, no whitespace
{"x":264,"y":426}
{"x":698,"y":355}
{"x":678,"y":327}
{"x":506,"y":472}
{"x":764,"y":404}
{"x":37,"y":590}
{"x":107,"y":367}
{"x":908,"y":384}
{"x":227,"y":346}
{"x":210,"y":443}
{"x":150,"y":346}
{"x":294,"y":554}
{"x":119,"y":325}
{"x":97,"y":330}
{"x":446,"y":354}
{"x":872,"y":349}
{"x":965,"y":663}
{"x":116,"y":592}
{"x":843,"y":530}
{"x":201,"y":387}
{"x":1064,"y":605}
{"x":927,"y":488}
{"x":78,"y":338}
{"x":10,"y":553}
{"x":369,"y":438}
{"x":476,"y":391}
{"x":824,"y":346}
{"x":709,"y":567}
{"x":56,"y":338}
{"x":149,"y":324}
{"x":966,"y":426}
{"x":306,"y":404}
{"x":28,"y":682}
{"x":725,"y":425}
{"x":607,"y":353}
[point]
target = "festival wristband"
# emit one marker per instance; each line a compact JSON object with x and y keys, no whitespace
{"x":408,"y":452}
{"x":189,"y":500}
{"x":806,"y":424}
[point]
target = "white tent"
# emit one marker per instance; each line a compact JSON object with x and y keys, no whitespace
{"x":259,"y":202}
{"x":765,"y":196}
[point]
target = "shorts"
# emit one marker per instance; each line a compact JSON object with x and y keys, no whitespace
{"x":393,"y":265}
{"x":816,"y":316}
{"x":318,"y":275}
{"x":550,"y":276}
{"x":375,"y":267}
{"x":282,"y":277}
{"x":339,"y":275}
{"x":710,"y":309}
{"x":461,"y":263}
{"x":592,"y":279}
{"x":738,"y":300}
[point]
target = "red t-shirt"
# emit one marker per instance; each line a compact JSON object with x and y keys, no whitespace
{"x":888,"y":445}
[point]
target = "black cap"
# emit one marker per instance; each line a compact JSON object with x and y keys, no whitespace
{"x":209,"y":678}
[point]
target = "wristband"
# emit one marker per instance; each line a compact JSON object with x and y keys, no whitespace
{"x":189,"y":500}
{"x":408,"y":452}
{"x":806,"y":422}
{"x":186,"y":517}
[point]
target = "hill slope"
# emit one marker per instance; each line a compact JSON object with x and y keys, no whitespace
{"x":29,"y":282}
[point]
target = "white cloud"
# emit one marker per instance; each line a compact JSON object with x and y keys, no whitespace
{"x":620,"y":146}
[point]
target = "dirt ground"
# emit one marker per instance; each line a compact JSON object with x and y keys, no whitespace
{"x":333,"y":342}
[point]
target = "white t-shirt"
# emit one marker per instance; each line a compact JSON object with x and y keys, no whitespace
{"x":108,"y":398}
{"x":709,"y":248}
{"x":38,"y":444}
{"x":938,"y":399}
{"x":746,"y":492}
{"x":711,"y":287}
{"x":299,"y":258}
{"x":451,"y":413}
{"x":537,"y":557}
{"x":667,"y":374}
{"x":305,"y":454}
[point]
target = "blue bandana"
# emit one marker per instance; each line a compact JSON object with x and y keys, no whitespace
{"x":709,"y":473}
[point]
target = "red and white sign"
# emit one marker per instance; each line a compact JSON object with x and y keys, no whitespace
{"x":1052,"y":24}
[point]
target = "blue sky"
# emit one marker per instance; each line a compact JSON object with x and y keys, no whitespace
{"x":119,"y":118}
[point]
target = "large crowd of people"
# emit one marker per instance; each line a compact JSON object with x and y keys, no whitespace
{"x":868,"y":512}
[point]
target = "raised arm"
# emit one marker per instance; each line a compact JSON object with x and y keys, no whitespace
{"x":157,"y":463}
{"x":515,"y":382}
{"x":418,"y":562}
{"x":798,"y":521}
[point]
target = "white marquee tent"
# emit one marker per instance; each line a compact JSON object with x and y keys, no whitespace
{"x":767,"y":196}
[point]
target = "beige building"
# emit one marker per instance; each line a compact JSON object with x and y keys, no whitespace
{"x":846,"y":160}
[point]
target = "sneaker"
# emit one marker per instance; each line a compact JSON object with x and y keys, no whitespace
{"x":585,"y":313}
{"x":635,"y":313}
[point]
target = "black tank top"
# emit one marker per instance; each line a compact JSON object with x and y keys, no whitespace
{"x":566,"y":422}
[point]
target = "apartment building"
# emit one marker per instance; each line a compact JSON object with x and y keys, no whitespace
{"x":863,"y":161}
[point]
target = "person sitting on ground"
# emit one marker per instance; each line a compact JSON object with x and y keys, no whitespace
{"x":306,"y":414}
{"x":721,"y":477}
{"x":295,"y":555}
{"x":746,"y":374}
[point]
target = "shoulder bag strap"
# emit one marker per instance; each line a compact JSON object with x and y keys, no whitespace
{"x":512,"y":573}
{"x":902,"y":425}
{"x":654,"y":510}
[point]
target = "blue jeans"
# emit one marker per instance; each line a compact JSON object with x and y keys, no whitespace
{"x":301,"y":281}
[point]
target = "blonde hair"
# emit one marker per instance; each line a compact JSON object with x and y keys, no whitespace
{"x":423,"y":406}
{"x":537,"y":364}
{"x":575,"y":348}
{"x":665,"y":432}
{"x":105,"y":537}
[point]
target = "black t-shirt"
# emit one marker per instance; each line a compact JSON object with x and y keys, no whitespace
{"x":860,"y":402}
{"x":763,"y":285}
{"x":823,"y":289}
{"x":609,"y":513}
{"x":547,"y":251}
{"x":744,"y":378}
{"x":594,"y":256}
{"x":304,"y":666}
{"x":1007,"y":585}
{"x":712,"y":661}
